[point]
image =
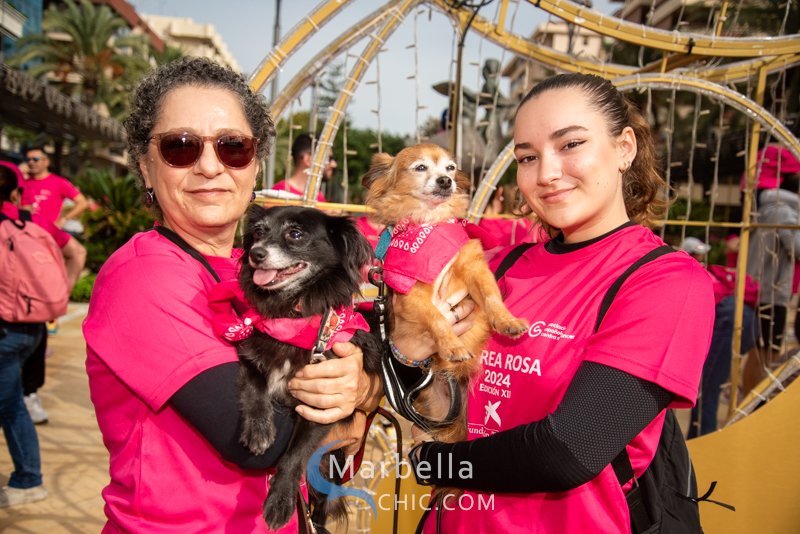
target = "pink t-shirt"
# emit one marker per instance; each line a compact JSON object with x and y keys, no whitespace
{"x":658,"y":328}
{"x":148,"y":332}
{"x":12,"y":212}
{"x":46,"y":196}
{"x":283,"y":185}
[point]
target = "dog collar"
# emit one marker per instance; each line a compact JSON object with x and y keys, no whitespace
{"x":383,"y":242}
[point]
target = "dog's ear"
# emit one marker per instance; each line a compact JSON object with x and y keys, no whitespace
{"x":355,"y":249}
{"x":462,"y":180}
{"x":380,"y":166}
{"x":254,"y":213}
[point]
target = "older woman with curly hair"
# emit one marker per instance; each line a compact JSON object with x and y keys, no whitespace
{"x":163,"y":386}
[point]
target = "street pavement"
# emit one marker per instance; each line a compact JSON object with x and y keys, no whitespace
{"x":74,"y":460}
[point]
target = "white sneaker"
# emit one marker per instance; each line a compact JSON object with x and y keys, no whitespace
{"x":34,"y":405}
{"x":15,"y":496}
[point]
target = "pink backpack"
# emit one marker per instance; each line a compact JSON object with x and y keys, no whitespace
{"x":33,"y":280}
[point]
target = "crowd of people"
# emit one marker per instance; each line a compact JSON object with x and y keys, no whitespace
{"x":605,"y":363}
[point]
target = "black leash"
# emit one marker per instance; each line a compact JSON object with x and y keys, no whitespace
{"x":402,"y":384}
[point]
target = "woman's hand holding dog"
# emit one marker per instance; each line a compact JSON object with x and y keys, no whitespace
{"x":456,"y":308}
{"x":331,"y":390}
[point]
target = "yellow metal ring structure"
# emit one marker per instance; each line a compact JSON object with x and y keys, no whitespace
{"x":605,"y":25}
{"x":670,"y":41}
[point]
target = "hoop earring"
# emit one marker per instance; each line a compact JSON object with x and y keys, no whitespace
{"x":252,"y":197}
{"x":149,"y":197}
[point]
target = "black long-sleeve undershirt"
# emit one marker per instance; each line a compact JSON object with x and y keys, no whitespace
{"x":210,"y":402}
{"x":602,"y":410}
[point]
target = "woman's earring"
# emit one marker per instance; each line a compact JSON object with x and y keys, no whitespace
{"x":253,"y":197}
{"x":149,"y":197}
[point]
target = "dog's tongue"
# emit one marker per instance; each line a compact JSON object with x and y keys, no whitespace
{"x":263,"y":277}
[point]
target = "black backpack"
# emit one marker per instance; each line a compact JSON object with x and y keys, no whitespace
{"x":664,"y":499}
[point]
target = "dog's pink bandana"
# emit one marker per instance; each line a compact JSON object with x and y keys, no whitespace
{"x":300,"y":332}
{"x":419,"y":252}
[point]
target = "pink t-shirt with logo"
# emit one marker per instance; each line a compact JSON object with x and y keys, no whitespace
{"x":149,"y":332}
{"x":658,"y":328}
{"x":46,"y":196}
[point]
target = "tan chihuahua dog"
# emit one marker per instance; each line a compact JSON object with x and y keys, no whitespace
{"x":423,"y":197}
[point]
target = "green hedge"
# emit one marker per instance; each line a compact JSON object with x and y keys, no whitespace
{"x":83,"y":288}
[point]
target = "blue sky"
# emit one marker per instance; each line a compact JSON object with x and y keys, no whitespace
{"x":247,"y":25}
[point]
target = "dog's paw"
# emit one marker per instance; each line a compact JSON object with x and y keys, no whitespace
{"x":455,"y":353}
{"x":510,"y":326}
{"x":278,"y":508}
{"x":257,"y":436}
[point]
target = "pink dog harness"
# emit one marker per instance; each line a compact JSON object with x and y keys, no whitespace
{"x":300,"y":332}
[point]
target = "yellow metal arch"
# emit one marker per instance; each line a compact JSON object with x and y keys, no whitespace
{"x":524,"y":47}
{"x":686,"y":43}
{"x":292,"y":41}
{"x":494,"y":32}
{"x":311,"y":69}
{"x":396,"y":14}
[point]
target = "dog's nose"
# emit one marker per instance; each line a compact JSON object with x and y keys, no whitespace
{"x":444,"y":182}
{"x":258,"y":254}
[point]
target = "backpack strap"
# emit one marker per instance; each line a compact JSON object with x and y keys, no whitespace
{"x":510,"y":259}
{"x":24,"y":216}
{"x":608,"y":298}
{"x":640,"y":520}
{"x":187,"y":248}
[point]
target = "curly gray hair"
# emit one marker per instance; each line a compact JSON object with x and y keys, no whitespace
{"x":149,"y":95}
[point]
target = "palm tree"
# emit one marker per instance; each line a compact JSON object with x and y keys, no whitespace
{"x":83,"y":43}
{"x":170,"y":53}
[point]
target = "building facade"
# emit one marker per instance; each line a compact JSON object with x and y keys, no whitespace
{"x":192,"y":38}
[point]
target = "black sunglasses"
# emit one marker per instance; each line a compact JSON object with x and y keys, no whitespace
{"x":33,"y":159}
{"x":235,"y":151}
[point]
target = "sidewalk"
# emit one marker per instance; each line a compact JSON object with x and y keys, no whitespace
{"x":74,"y":461}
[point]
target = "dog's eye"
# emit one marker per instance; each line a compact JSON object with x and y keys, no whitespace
{"x":294,"y":234}
{"x":451,"y":168}
{"x":421,"y":167}
{"x":258,"y":233}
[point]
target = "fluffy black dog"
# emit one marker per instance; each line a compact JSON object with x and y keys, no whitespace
{"x":298,"y":262}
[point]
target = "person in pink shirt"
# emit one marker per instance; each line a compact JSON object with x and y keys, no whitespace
{"x":18,"y":341}
{"x":302,"y":152}
{"x":163,"y":385}
{"x":45,"y":192}
{"x":505,"y":231}
{"x":551,"y":410}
